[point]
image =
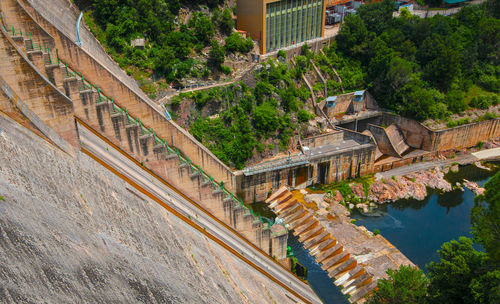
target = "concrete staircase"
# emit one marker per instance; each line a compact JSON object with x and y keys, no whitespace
{"x":21,"y":15}
{"x":341,"y":267}
{"x":58,"y":94}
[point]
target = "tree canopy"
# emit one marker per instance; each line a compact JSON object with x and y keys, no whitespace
{"x":413,"y":63}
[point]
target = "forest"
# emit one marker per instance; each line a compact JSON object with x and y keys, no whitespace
{"x":464,"y":274}
{"x":425,"y":67}
{"x":249,"y":121}
{"x":174,"y":46}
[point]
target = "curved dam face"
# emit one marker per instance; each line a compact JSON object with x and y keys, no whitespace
{"x":71,"y":231}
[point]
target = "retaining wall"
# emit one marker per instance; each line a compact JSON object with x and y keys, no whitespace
{"x":151,"y":114}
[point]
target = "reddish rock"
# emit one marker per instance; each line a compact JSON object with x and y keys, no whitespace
{"x":358,"y":190}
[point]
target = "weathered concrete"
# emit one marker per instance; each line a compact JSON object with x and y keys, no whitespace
{"x":326,"y":158}
{"x":353,"y":257}
{"x":83,"y":61}
{"x":92,"y":106}
{"x":73,"y":232}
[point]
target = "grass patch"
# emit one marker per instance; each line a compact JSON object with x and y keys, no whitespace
{"x":2,"y":198}
{"x":474,"y":91}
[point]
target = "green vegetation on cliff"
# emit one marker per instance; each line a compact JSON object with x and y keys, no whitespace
{"x":237,"y":121}
{"x":421,"y":67}
{"x":464,"y":274}
{"x":176,"y":41}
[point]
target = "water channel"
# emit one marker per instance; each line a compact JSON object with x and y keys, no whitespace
{"x":416,"y":228}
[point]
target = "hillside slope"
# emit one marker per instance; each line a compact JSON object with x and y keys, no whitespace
{"x":72,"y":232}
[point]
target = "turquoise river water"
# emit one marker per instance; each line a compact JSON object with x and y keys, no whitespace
{"x":416,"y":228}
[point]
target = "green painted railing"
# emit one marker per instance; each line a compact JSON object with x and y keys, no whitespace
{"x":101,"y":98}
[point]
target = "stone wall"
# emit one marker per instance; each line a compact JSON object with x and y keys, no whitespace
{"x":465,"y":136}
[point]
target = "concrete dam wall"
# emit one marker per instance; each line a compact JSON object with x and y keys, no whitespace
{"x":71,"y":232}
{"x":57,"y":94}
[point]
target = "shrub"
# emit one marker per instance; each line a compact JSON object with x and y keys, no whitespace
{"x":226,"y":22}
{"x":455,"y":101}
{"x":487,"y":116}
{"x":304,"y":116}
{"x":458,"y":122}
{"x":281,"y":54}
{"x":225,"y":69}
{"x":266,"y":118}
{"x":216,"y":55}
{"x":236,"y":43}
{"x":490,"y":83}
{"x":482,"y":102}
{"x":376,"y":231}
{"x":2,"y":198}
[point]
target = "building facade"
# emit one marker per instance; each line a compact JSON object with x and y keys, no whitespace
{"x":280,"y":23}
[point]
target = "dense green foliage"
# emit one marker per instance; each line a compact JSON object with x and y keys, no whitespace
{"x":171,"y":44}
{"x":486,"y":218}
{"x":406,"y":285}
{"x":249,"y":118}
{"x":420,"y":67}
{"x":464,"y":275}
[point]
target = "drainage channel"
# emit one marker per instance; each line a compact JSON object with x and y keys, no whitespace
{"x":317,"y":278}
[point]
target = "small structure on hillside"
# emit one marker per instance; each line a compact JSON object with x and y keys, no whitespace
{"x":138,"y":43}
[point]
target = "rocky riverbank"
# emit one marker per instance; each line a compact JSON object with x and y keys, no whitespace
{"x":383,"y":190}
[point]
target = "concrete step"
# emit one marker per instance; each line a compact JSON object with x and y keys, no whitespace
{"x":316,"y":240}
{"x":298,"y":223}
{"x":321,"y":246}
{"x":286,"y":205}
{"x":276,"y":194}
{"x":290,"y":211}
{"x":335,"y":259}
{"x":306,"y":230}
{"x":344,"y":270}
{"x":329,"y":253}
{"x":339,"y":268}
{"x":358,"y":294}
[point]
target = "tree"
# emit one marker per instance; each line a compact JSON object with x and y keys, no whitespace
{"x":215,"y":55}
{"x":485,"y":216}
{"x":377,"y":16}
{"x":236,"y":43}
{"x":266,"y":118}
{"x":406,"y":285}
{"x":452,"y":276}
{"x":203,"y":29}
{"x":227,"y":22}
{"x":353,"y":36}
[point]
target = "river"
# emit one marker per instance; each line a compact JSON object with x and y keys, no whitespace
{"x":419,"y":228}
{"x":416,"y":228}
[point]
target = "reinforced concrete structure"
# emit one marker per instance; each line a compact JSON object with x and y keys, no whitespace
{"x":280,"y":23}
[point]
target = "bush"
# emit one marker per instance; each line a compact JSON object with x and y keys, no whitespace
{"x":490,"y":83}
{"x":282,"y":54}
{"x":236,"y":43}
{"x":487,"y":116}
{"x":266,"y":118}
{"x":458,"y":122}
{"x":227,"y":22}
{"x":225,"y":69}
{"x":455,"y":101}
{"x":376,"y":231}
{"x":304,"y":116}
{"x":216,"y":55}
{"x":484,"y":101}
